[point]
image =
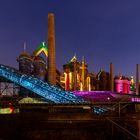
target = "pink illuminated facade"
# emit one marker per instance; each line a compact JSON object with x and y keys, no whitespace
{"x":122,"y":86}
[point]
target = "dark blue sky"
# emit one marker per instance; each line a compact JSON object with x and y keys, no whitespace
{"x":103,"y":31}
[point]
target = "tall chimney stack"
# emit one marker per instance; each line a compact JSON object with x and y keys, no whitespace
{"x":111,"y":78}
{"x":51,"y":50}
{"x":137,"y":79}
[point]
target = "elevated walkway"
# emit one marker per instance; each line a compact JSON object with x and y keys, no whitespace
{"x":50,"y":92}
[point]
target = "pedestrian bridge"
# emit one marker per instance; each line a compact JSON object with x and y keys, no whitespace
{"x":49,"y":92}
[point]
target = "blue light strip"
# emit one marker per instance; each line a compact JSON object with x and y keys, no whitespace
{"x":99,"y":110}
{"x":50,"y":92}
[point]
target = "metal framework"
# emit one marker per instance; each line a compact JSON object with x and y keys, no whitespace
{"x":8,"y":88}
{"x":50,"y":92}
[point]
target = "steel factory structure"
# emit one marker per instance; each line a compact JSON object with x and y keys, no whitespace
{"x":71,"y":99}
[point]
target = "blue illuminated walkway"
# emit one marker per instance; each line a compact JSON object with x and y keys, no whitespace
{"x":50,"y":92}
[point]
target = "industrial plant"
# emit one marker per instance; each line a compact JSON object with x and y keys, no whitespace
{"x":39,"y":101}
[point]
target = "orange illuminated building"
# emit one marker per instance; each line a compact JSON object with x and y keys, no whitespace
{"x":76,"y":76}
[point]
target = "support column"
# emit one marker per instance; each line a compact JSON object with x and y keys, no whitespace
{"x":83,"y":73}
{"x":67,"y":81}
{"x":138,"y":131}
{"x":51,"y":50}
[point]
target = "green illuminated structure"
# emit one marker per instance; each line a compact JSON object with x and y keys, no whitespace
{"x":42,"y":48}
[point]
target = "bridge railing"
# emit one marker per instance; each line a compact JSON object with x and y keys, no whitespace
{"x":119,"y":132}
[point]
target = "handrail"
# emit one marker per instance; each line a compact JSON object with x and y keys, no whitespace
{"x":122,"y":128}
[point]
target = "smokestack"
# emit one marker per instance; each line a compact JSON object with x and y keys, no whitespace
{"x":137,"y":79}
{"x":111,"y":78}
{"x":51,"y":50}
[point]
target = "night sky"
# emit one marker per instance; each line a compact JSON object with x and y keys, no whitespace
{"x":103,"y":31}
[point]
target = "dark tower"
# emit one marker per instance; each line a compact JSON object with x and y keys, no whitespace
{"x":137,"y":79}
{"x":25,"y":63}
{"x":26,"y":67}
{"x":51,"y":50}
{"x":40,"y":67}
{"x":111,"y":78}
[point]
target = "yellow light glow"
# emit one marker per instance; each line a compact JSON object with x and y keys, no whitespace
{"x":81,"y":86}
{"x":89,"y":88}
{"x":88,"y":84}
{"x":8,"y":110}
{"x":132,"y":80}
{"x":42,"y":50}
{"x":65,"y":74}
{"x":70,"y":80}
